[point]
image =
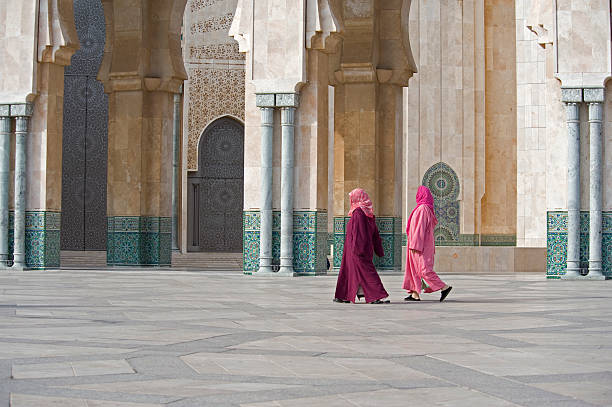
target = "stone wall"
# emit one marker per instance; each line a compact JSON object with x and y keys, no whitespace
{"x":531,"y":124}
{"x":499,"y":201}
{"x":445,"y":104}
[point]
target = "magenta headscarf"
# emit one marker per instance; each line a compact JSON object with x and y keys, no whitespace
{"x":423,"y":197}
{"x":360,"y":199}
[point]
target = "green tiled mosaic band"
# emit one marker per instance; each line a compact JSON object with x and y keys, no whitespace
{"x":42,"y":235}
{"x":390,"y":229}
{"x":498,"y":240}
{"x":139,"y":241}
{"x":309,"y":241}
{"x":556,"y":243}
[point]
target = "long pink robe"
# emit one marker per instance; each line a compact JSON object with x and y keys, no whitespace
{"x":357,"y":270}
{"x":420,"y":265}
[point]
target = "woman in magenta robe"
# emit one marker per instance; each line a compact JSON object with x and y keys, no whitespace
{"x":421,"y":249}
{"x":358,"y":276}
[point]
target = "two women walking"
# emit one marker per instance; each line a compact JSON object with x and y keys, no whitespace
{"x":358,"y":276}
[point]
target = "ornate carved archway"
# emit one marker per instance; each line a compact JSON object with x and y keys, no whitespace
{"x":215,"y":191}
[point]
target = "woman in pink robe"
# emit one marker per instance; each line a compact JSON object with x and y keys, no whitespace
{"x":357,"y":272}
{"x":421,"y":249}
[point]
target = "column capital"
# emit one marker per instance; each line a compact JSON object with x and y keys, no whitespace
{"x":594,"y":95}
{"x":287,"y":100}
{"x":264,"y":100}
{"x":571,"y":95}
{"x":288,"y":116}
{"x":22,"y":109}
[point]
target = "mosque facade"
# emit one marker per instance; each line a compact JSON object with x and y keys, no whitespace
{"x":146,"y":128}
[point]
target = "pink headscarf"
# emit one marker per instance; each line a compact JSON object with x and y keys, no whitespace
{"x":423,"y":197}
{"x":360,"y":199}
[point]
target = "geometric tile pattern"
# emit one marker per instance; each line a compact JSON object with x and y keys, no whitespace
{"x":556,"y":243}
{"x":498,"y":240}
{"x":390,"y":230}
{"x":309,"y":241}
{"x":42,"y":239}
{"x":139,"y":241}
{"x":85,"y":135}
{"x":444,"y":185}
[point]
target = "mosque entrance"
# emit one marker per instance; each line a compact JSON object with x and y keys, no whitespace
{"x":215,"y":191}
{"x":85,"y":136}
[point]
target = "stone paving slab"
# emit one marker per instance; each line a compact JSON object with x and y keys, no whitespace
{"x":134,"y":337}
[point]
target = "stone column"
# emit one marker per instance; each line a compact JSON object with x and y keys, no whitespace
{"x":266,"y":104}
{"x":5,"y":156}
{"x":572,"y":99}
{"x":595,"y":99}
{"x":288,"y":103}
{"x":22,"y":112}
{"x":176,"y":133}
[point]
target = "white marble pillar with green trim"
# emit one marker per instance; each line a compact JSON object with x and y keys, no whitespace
{"x":288,"y":102}
{"x":595,"y":99}
{"x":266,"y":103}
{"x":22,"y":114}
{"x":5,"y":156}
{"x":572,"y":99}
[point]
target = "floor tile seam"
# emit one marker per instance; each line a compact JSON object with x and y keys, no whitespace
{"x":269,"y":395}
{"x":604,"y":376}
{"x":547,"y":395}
{"x":204,"y":377}
{"x":96,"y":395}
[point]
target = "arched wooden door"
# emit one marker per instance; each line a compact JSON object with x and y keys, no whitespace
{"x":215,"y":191}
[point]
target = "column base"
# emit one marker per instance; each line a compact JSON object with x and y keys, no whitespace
{"x":42,"y":240}
{"x":556,"y":256}
{"x":309,"y":243}
{"x":139,"y":241}
{"x":580,"y":277}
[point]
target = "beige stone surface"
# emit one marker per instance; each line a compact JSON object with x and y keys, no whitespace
{"x":140,"y":77}
{"x":499,"y":200}
{"x":445,"y":108}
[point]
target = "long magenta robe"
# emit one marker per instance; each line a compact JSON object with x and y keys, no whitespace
{"x":361,"y":242}
{"x":420,"y":265}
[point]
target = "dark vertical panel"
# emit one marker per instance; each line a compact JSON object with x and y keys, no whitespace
{"x":73,"y":163}
{"x":85,"y":136}
{"x":96,"y":162}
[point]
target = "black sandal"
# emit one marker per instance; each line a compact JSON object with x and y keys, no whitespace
{"x":445,"y":293}
{"x":359,"y":297}
{"x":411,"y":298}
{"x":381,"y":302}
{"x":341,"y":301}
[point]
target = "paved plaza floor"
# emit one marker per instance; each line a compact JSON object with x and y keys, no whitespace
{"x":177,"y":338}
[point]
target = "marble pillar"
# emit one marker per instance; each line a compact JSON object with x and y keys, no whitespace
{"x":288,"y":104}
{"x":287,"y":166}
{"x":5,"y":156}
{"x":176,"y":134}
{"x":266,"y":104}
{"x":572,"y":99}
{"x":595,"y":99}
{"x":22,"y":113}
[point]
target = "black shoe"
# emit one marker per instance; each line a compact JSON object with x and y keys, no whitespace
{"x":381,"y":302}
{"x":445,"y":293}
{"x":359,"y":297}
{"x":411,"y":298}
{"x":341,"y":301}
